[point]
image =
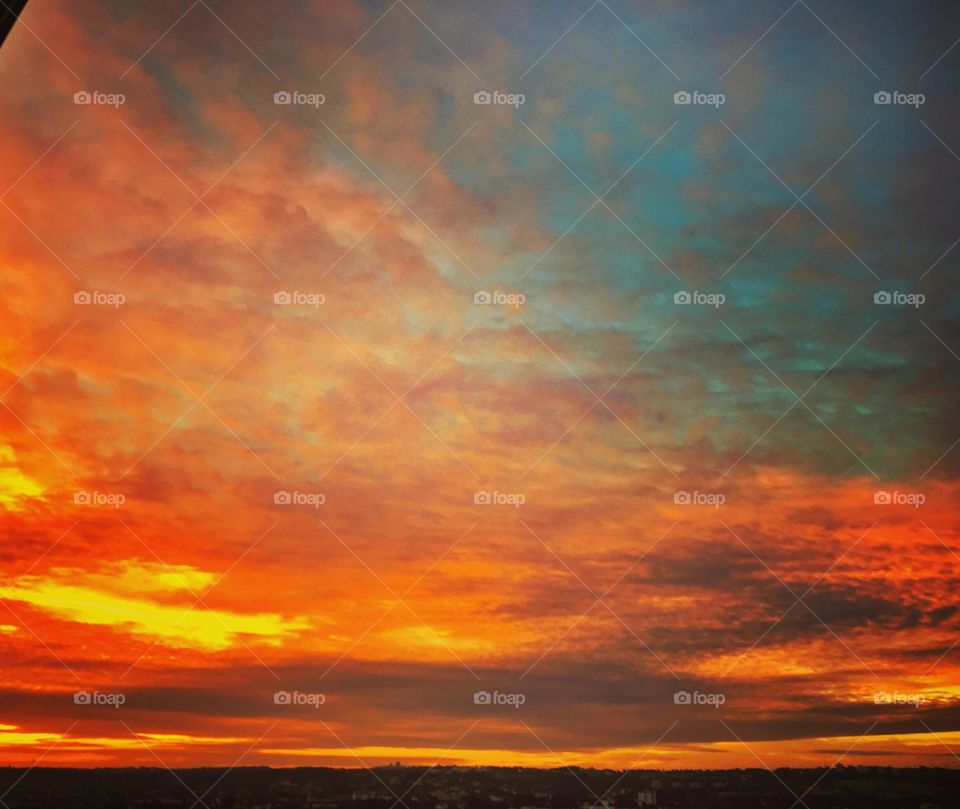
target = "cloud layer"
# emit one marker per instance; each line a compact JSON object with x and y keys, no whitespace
{"x":396,"y":397}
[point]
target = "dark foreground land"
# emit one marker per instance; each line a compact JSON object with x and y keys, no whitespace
{"x":397,"y":787}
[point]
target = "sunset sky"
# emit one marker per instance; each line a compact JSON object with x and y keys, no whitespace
{"x":213,"y":303}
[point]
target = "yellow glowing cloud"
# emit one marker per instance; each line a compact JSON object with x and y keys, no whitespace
{"x":134,"y":576}
{"x":477,"y":757}
{"x":12,"y":735}
{"x":14,"y":484}
{"x":428,"y":639}
{"x":759,"y":663}
{"x":117,"y":601}
{"x":663,"y":755}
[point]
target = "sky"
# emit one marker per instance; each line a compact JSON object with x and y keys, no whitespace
{"x":425,"y":381}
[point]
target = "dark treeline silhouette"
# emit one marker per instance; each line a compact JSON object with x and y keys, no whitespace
{"x":398,"y":787}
